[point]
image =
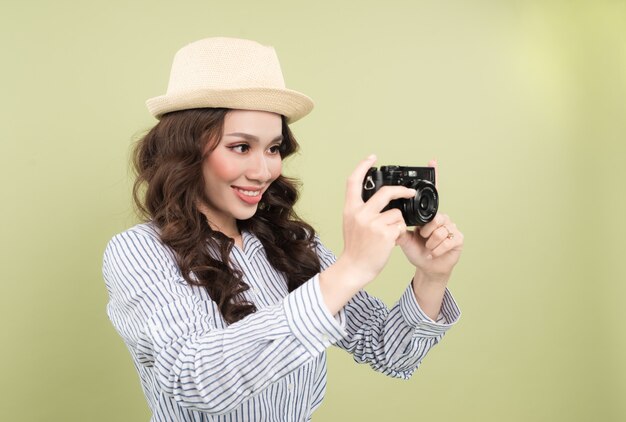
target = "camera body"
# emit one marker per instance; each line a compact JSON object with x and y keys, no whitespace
{"x":416,"y":211}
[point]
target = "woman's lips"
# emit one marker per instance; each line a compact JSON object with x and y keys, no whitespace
{"x":249,"y":194}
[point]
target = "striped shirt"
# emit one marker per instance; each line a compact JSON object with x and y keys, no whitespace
{"x":269,"y":366}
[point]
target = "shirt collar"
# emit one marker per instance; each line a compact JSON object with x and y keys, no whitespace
{"x":251,"y":243}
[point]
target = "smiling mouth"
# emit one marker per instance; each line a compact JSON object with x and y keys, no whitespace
{"x":251,"y":193}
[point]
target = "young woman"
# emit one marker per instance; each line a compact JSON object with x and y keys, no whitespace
{"x":226,"y":300}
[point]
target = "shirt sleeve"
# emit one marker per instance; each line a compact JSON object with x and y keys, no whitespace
{"x":392,"y":341}
{"x":172,"y":332}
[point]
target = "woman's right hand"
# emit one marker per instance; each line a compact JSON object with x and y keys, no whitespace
{"x":368,"y":238}
{"x":369,"y":235}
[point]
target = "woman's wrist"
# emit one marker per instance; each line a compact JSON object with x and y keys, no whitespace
{"x":431,"y":279}
{"x":340,"y":282}
{"x":429,"y":292}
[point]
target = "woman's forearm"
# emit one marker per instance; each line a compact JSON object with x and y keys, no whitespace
{"x":340,"y":282}
{"x":429,"y":293}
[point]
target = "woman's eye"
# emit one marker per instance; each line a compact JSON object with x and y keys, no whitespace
{"x":275,"y":149}
{"x":241,"y":148}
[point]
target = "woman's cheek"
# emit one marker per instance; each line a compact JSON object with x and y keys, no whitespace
{"x":276,"y":169}
{"x":224,"y":169}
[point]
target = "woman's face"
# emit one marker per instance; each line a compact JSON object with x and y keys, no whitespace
{"x":242,"y":166}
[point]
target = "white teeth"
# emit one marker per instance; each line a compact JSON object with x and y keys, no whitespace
{"x":249,"y":192}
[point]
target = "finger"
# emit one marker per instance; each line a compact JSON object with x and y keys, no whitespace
{"x":386,"y":194}
{"x":405,"y":235}
{"x":447,"y":245}
{"x":389,"y":225}
{"x":392,"y":216}
{"x":428,"y":228}
{"x":438,"y":236}
{"x":402,"y":231}
{"x":433,"y":163}
{"x":355,"y":182}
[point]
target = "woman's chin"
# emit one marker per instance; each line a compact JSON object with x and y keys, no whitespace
{"x":246,"y":214}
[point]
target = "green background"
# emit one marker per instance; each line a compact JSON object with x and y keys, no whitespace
{"x":521,"y":102}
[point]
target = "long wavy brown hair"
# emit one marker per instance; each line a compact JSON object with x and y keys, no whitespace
{"x":169,"y":182}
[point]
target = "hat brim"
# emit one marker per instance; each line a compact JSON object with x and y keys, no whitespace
{"x":291,"y":104}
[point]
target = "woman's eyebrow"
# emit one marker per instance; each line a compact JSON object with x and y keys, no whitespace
{"x":250,"y":137}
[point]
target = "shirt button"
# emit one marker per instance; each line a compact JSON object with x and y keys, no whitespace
{"x":325,"y":337}
{"x":290,"y":387}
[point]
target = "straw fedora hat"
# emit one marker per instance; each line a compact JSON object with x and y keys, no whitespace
{"x":229,"y":73}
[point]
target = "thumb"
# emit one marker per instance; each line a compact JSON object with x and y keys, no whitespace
{"x":404,"y":238}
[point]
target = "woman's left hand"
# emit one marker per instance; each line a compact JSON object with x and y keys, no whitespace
{"x":434,"y":248}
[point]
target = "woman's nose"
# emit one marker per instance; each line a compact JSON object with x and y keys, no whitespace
{"x":259,"y":169}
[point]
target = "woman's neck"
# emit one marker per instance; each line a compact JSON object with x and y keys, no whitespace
{"x":230,"y":230}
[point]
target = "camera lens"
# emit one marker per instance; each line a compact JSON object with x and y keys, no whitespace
{"x":423,"y":208}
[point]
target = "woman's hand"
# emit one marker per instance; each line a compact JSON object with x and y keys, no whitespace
{"x":369,"y":235}
{"x":434,"y":248}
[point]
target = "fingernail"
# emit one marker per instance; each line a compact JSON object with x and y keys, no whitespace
{"x":371,"y":157}
{"x":413,"y":191}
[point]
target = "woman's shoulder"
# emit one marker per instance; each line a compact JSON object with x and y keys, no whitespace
{"x":138,"y":254}
{"x":146,"y":230}
{"x":136,"y":259}
{"x":143,"y":238}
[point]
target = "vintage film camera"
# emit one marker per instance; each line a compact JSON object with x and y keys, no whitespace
{"x":416,"y":211}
